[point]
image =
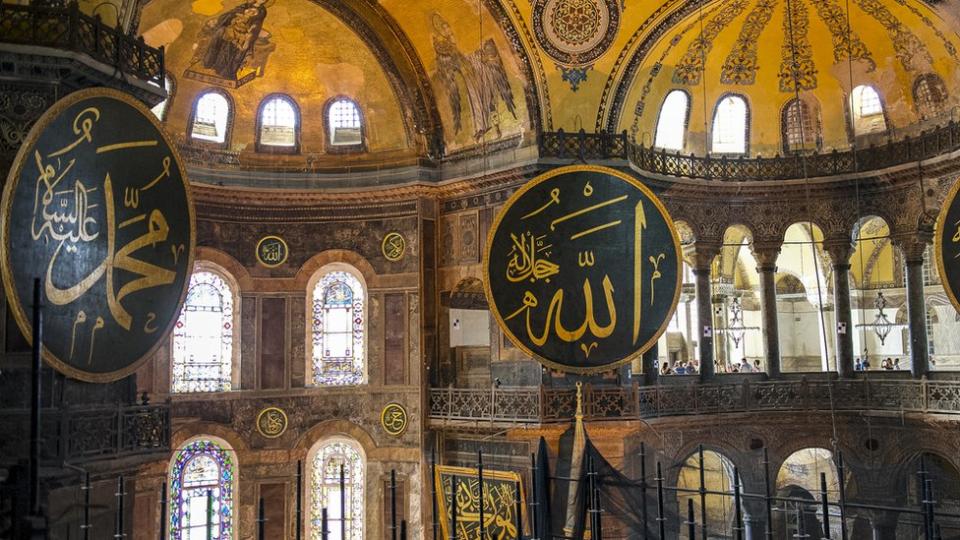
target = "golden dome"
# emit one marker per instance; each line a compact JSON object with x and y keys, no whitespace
{"x":769,"y":52}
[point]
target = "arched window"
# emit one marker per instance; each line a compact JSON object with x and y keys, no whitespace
{"x":203,"y":336}
{"x":799,"y":127}
{"x":279,"y":123}
{"x":344,"y":124}
{"x":339,"y":326}
{"x":673,"y":121}
{"x":336,"y":483}
{"x":867,"y":111}
{"x":160,"y":109}
{"x":730,"y":126}
{"x":929,"y":94}
{"x":202,"y":484}
{"x":211,"y":117}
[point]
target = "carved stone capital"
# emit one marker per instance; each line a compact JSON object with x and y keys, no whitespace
{"x":766,"y":254}
{"x":840,"y":250}
{"x":704,"y":253}
{"x":912,"y":246}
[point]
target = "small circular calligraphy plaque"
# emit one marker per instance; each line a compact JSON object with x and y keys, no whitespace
{"x":97,"y":207}
{"x":394,"y":419}
{"x":582,"y":268}
{"x":272,"y":422}
{"x":394,"y":245}
{"x":272,"y":251}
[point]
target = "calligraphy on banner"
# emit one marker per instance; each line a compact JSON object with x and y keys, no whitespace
{"x":272,"y":251}
{"x":97,"y":207}
{"x":499,"y":502}
{"x":946,"y":244}
{"x":582,"y":268}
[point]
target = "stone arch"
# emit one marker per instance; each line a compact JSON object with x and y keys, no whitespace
{"x":195,"y":430}
{"x":318,"y":261}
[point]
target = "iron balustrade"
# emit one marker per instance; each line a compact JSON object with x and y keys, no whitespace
{"x":67,"y":28}
{"x":585,"y":146}
{"x":76,"y":435}
{"x":546,"y":405}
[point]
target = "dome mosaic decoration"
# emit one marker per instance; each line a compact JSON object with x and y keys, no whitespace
{"x":575,"y":33}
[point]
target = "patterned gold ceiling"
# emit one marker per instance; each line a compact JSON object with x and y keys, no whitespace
{"x":467,"y":72}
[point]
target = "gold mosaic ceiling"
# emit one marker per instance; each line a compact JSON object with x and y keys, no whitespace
{"x":495,"y":71}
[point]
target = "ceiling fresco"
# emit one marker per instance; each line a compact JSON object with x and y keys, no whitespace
{"x":493,"y":72}
{"x":748,"y":50}
{"x":250,"y":49}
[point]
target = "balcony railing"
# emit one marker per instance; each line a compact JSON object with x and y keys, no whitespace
{"x":546,"y":405}
{"x":69,"y":29}
{"x":84,"y":434}
{"x":593,"y":146}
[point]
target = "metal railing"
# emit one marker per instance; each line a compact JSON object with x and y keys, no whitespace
{"x":69,"y":29}
{"x":593,"y":146}
{"x":76,"y":435}
{"x":545,"y":405}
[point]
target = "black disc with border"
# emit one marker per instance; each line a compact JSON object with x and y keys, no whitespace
{"x":582,"y":268}
{"x":946,"y":245}
{"x":97,"y":207}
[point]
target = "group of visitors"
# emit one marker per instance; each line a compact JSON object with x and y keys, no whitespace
{"x":746,"y":367}
{"x":681,"y":368}
{"x":888,"y":364}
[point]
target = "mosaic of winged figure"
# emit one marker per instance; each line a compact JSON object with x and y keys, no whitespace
{"x":481,"y":74}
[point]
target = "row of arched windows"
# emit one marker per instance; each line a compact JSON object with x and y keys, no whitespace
{"x":203,"y":348}
{"x":800,"y":125}
{"x":278,"y":120}
{"x":203,"y":486}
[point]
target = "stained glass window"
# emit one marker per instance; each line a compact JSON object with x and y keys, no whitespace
{"x":338,"y":330}
{"x":278,"y":123}
{"x":210,"y":118}
{"x":672,"y":121}
{"x":730,"y":126}
{"x":344,"y":121}
{"x":344,"y":507}
{"x":203,"y":336}
{"x":201,"y":492}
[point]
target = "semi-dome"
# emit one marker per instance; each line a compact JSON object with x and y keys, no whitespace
{"x":887,"y":75}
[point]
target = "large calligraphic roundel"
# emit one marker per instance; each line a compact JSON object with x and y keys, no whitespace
{"x":97,"y":207}
{"x":582,"y":268}
{"x":946,"y":244}
{"x":575,"y":32}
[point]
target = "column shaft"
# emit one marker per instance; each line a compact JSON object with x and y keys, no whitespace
{"x":705,"y":320}
{"x":918,"y":318}
{"x":771,"y":327}
{"x":841,"y":304}
{"x":649,"y":363}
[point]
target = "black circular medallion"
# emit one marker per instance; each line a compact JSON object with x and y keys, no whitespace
{"x":97,"y":207}
{"x":582,"y":268}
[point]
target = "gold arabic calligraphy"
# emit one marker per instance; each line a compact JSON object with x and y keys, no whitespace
{"x":65,"y":215}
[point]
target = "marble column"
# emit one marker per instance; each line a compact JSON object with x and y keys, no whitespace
{"x":767,"y":269}
{"x":705,"y":254}
{"x":916,"y":310}
{"x":840,"y":252}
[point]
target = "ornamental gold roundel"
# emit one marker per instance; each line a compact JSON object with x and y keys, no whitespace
{"x":97,"y":208}
{"x":272,"y":251}
{"x":393,"y":247}
{"x":946,"y":244}
{"x":272,"y":422}
{"x":582,"y":268}
{"x":394,"y":419}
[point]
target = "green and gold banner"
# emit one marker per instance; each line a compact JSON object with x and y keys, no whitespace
{"x":499,"y":502}
{"x":97,"y":207}
{"x":582,"y":268}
